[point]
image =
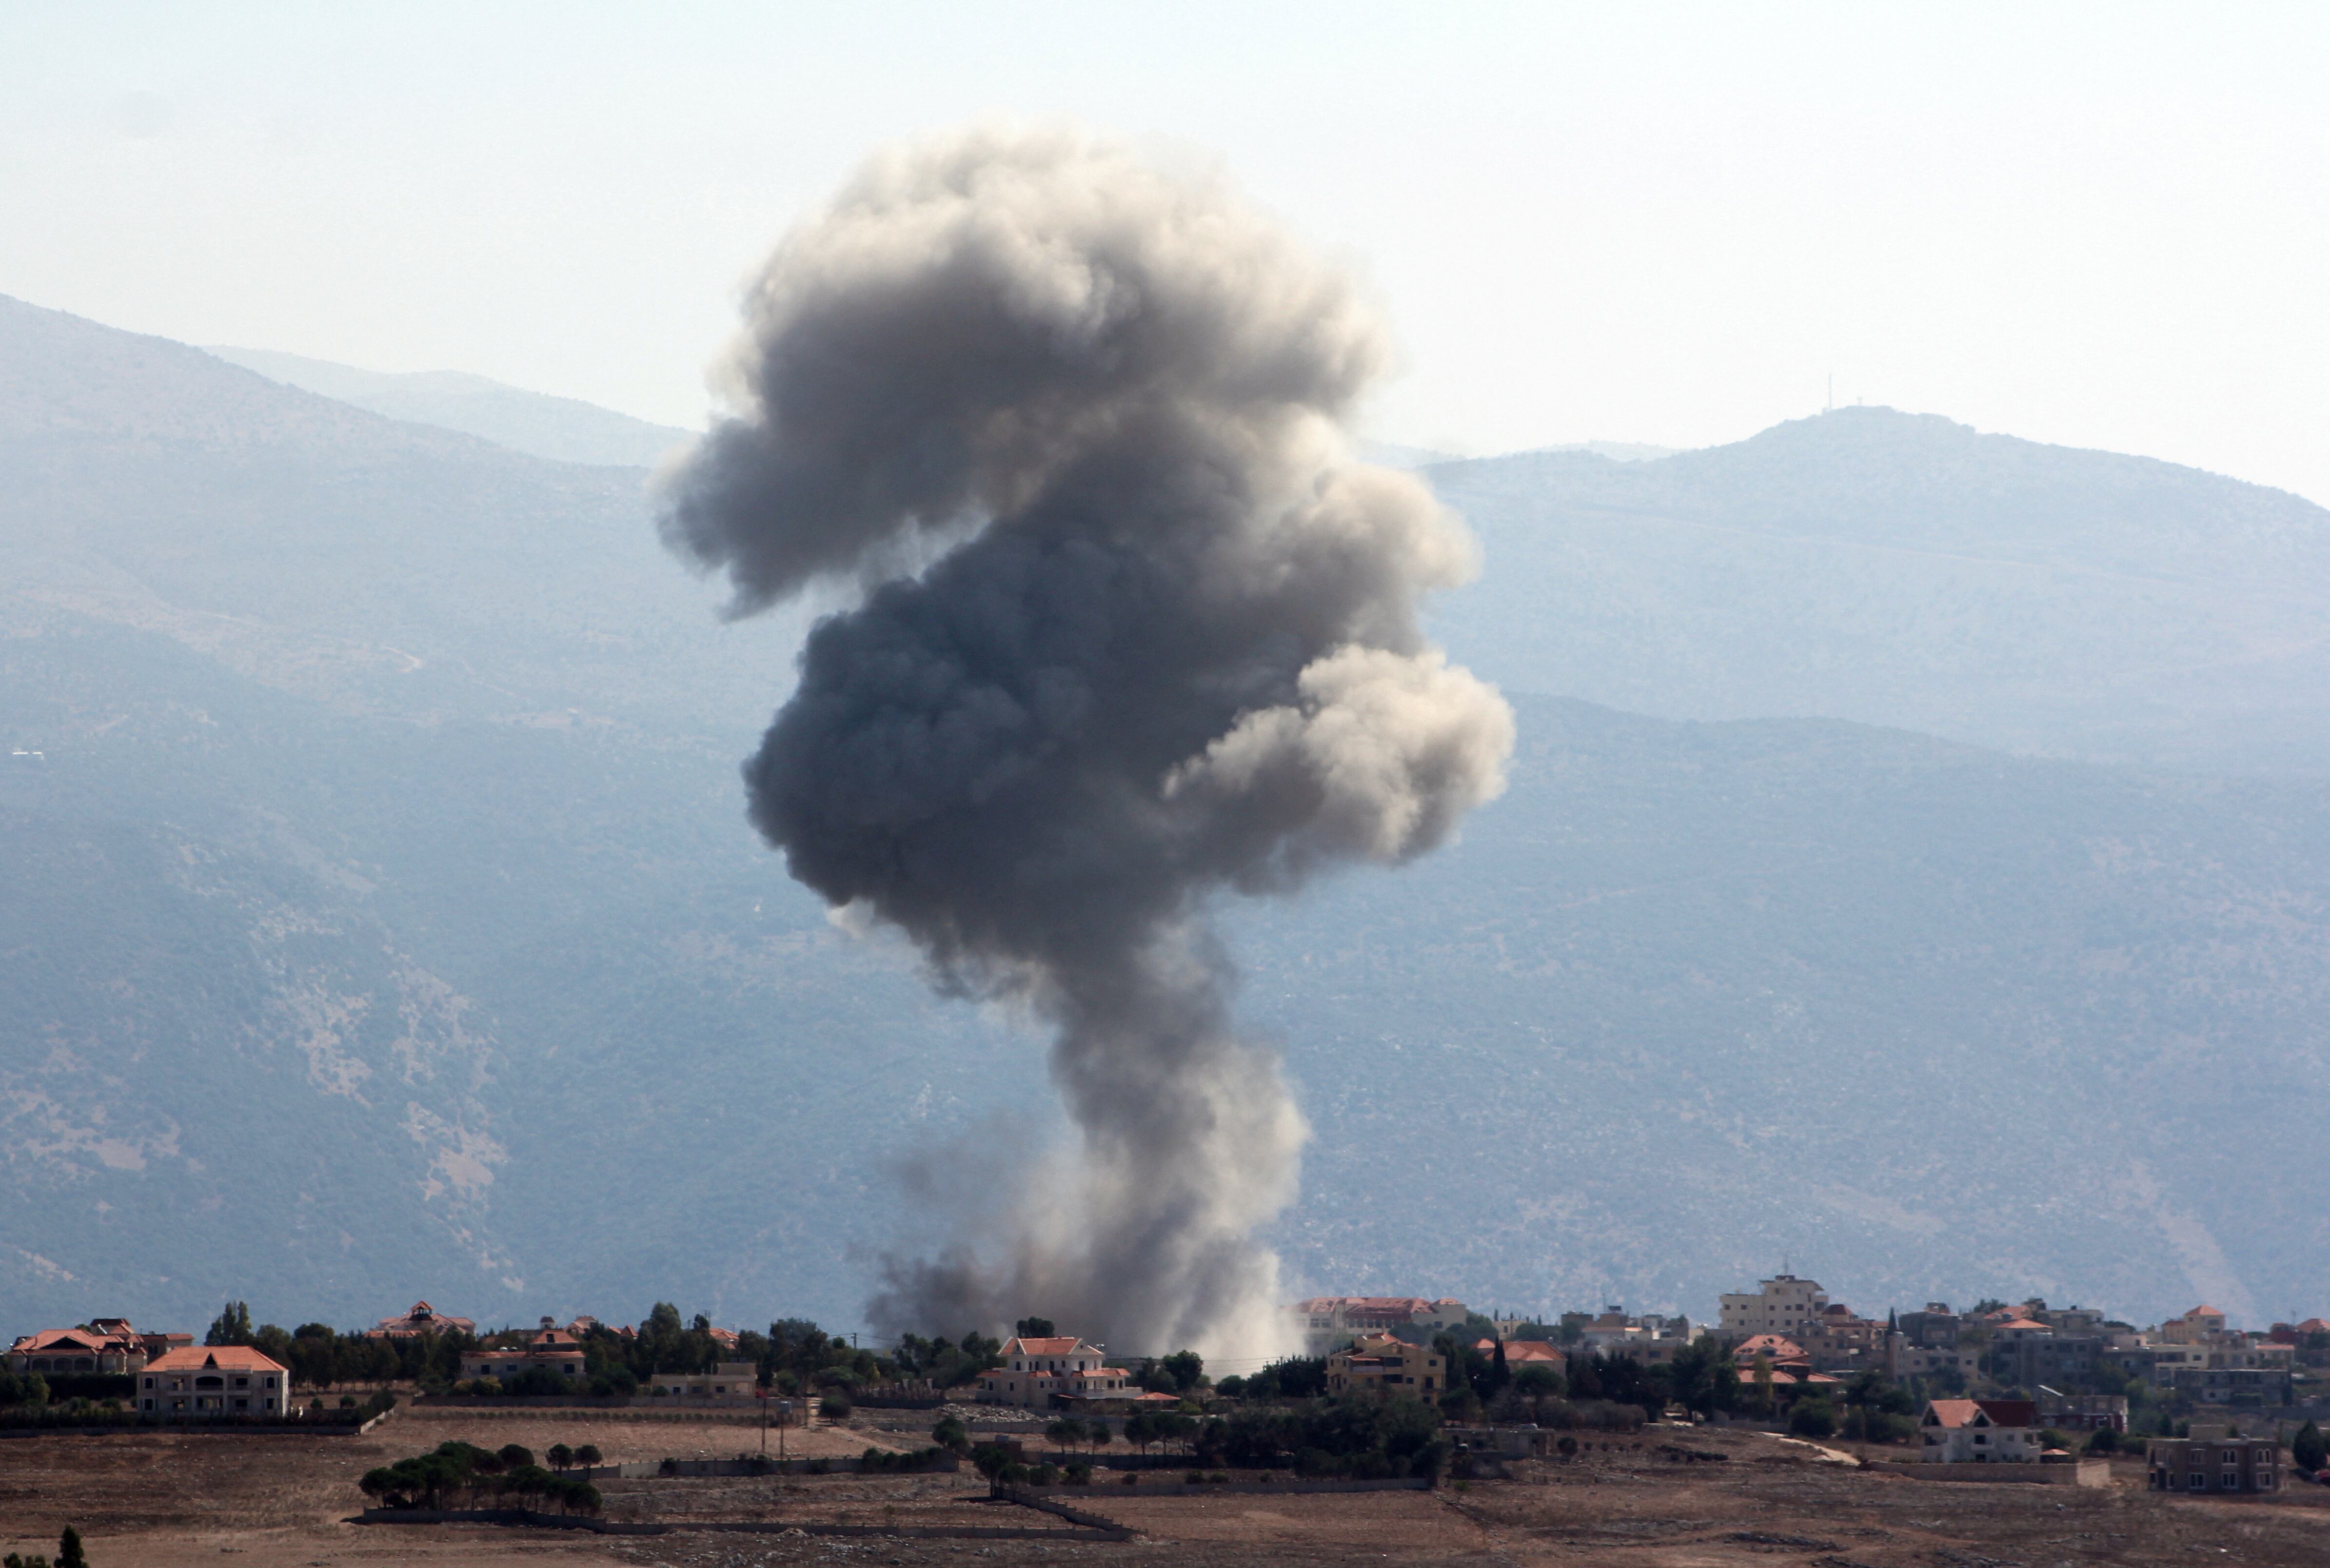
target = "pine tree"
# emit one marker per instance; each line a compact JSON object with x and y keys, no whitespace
{"x":2308,"y":1450}
{"x":69,"y":1552}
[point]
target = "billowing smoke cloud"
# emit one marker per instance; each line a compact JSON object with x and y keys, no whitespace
{"x":1133,"y":628}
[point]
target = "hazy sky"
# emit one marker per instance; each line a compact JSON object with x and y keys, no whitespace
{"x":2105,"y":225}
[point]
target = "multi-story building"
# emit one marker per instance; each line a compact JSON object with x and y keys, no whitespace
{"x":734,"y":1381}
{"x":1979,"y":1431}
{"x":2026,"y":1361}
{"x":1039,"y":1368}
{"x":211,"y":1382}
{"x":1384,"y":1365}
{"x":2082,"y":1411}
{"x":1839,"y":1341}
{"x":1904,"y":1360}
{"x":2195,"y":1327}
{"x":549,"y":1349}
{"x":1783,"y":1304}
{"x":2254,"y":1386}
{"x":1329,"y":1322}
{"x":2214,"y":1459}
{"x":1935,"y":1329}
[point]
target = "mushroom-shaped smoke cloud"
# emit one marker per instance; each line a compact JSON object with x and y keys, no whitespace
{"x":1167,"y":643}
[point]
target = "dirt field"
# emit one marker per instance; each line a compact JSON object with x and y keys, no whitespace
{"x":144,"y":1501}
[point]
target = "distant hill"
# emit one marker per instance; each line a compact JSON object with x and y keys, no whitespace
{"x":381,"y":920}
{"x":566,"y":430}
{"x":1900,"y":569}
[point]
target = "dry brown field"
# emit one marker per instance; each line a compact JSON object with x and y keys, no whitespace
{"x":144,"y":1500}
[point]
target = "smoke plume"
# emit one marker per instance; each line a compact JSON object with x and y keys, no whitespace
{"x":1133,"y":628}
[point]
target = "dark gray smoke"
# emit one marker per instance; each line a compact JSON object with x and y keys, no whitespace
{"x":1166,"y":643}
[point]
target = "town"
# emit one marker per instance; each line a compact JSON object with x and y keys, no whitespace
{"x":1992,"y":1384}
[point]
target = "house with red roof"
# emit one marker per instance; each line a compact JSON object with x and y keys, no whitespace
{"x":1041,"y":1370}
{"x":1520,"y":1353}
{"x":548,"y":1349}
{"x":210,"y":1381}
{"x":422,"y":1318}
{"x":1979,"y":1431}
{"x":1330,"y":1322}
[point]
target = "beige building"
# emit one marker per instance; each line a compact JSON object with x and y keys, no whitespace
{"x":208,"y":1382}
{"x":1380,"y":1363}
{"x":737,"y":1380}
{"x":1330,"y":1322}
{"x":1783,"y":1304}
{"x":1037,"y":1369}
{"x":549,"y":1349}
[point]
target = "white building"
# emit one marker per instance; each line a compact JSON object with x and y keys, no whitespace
{"x":1979,"y":1431}
{"x":1784,"y":1305}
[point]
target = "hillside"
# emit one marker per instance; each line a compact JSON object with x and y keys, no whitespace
{"x":383,"y":922}
{"x":565,"y":429}
{"x":1903,"y":569}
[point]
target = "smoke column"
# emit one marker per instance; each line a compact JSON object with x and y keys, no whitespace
{"x":1133,"y":628}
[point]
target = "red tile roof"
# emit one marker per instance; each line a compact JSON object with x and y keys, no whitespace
{"x":216,"y":1357}
{"x":1958,"y":1412}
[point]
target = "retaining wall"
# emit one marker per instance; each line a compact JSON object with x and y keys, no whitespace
{"x":2084,"y":1473}
{"x":528,"y":1517}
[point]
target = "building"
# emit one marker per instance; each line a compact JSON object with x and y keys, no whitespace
{"x":726,"y":1380}
{"x":2258,"y":1387}
{"x":2196,"y":1327}
{"x":1330,"y":1322}
{"x":422,"y":1318}
{"x":1783,"y":1304}
{"x":102,"y":1344}
{"x":549,"y":1349}
{"x":2082,"y":1411}
{"x":1380,"y":1363}
{"x":1839,"y":1341}
{"x":1979,"y":1431}
{"x":207,"y":1383}
{"x":1037,"y":1369}
{"x":2214,"y":1459}
{"x":1904,"y":1360}
{"x":2027,"y":1361}
{"x":93,"y":1349}
{"x":1520,"y":1353}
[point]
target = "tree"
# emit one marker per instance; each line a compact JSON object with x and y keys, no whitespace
{"x":2103,"y":1440}
{"x":559,"y":1455}
{"x":1034,"y":1328}
{"x":587,"y":1455}
{"x":69,"y":1552}
{"x":1186,"y":1368}
{"x":514,"y":1456}
{"x":2308,"y":1451}
{"x":952,"y":1435}
{"x":231,"y":1325}
{"x":1812,"y":1417}
{"x":1065,"y":1432}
